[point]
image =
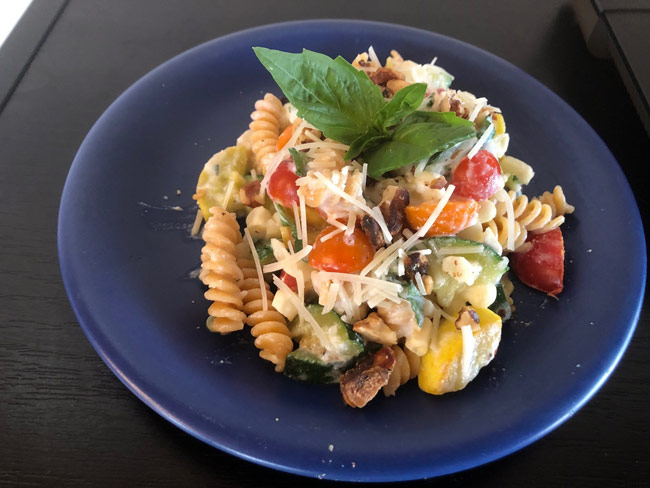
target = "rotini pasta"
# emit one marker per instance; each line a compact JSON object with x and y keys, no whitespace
{"x":269,"y":327}
{"x":265,"y":129}
{"x":220,"y":272}
{"x":407,"y":367}
{"x":557,"y":202}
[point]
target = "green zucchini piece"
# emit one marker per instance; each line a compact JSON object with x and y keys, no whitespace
{"x":492,"y":266}
{"x":305,"y":366}
{"x":313,"y":362}
{"x":501,"y":306}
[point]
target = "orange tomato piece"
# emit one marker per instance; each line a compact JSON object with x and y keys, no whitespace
{"x":455,"y":216}
{"x":284,"y":137}
{"x":341,"y":253}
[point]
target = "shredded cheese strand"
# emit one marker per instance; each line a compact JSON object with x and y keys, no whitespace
{"x":303,"y":312}
{"x":284,"y":263}
{"x":258,"y":268}
{"x":482,"y":140}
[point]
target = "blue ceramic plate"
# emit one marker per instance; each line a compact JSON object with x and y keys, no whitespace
{"x":125,"y":256}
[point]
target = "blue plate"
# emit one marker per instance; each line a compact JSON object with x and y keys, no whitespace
{"x":126,"y":255}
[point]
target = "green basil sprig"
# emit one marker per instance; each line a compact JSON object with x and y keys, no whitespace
{"x":347,"y":106}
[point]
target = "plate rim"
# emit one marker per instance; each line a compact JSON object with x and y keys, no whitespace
{"x":95,"y":339}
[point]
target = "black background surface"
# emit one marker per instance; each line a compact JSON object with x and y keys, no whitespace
{"x":64,"y":418}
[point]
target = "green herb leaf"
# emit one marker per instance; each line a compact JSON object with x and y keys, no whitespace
{"x":371,"y":138}
{"x":412,"y":295}
{"x":330,"y":94}
{"x":419,"y":136}
{"x":300,"y":159}
{"x":264,"y":252}
{"x":286,"y":218}
{"x":404,"y":103}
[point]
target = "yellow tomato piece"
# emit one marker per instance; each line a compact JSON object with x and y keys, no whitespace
{"x":441,"y":368}
{"x":214,"y":185}
{"x":499,"y":124}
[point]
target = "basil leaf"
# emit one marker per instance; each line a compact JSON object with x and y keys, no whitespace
{"x":264,"y":252}
{"x":404,"y":102}
{"x":286,"y":218}
{"x":418,"y":137}
{"x":412,"y":295}
{"x":330,"y":94}
{"x":300,"y":160}
{"x":371,"y":138}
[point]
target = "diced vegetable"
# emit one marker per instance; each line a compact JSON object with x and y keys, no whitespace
{"x":284,"y":137}
{"x":221,"y":179}
{"x":445,"y":286}
{"x":341,"y":253}
{"x":455,"y":216}
{"x":444,"y":369}
{"x":501,"y":306}
{"x":542,"y":267}
{"x":316,"y":362}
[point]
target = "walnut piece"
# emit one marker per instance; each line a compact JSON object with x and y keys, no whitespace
{"x":374,"y":329}
{"x":381,"y":76}
{"x":361,"y":384}
{"x":393,"y":207}
{"x":373,"y":232}
{"x":468,"y":316}
{"x":415,"y":263}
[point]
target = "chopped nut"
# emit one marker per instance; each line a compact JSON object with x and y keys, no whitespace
{"x":415,"y":263}
{"x":383,"y":75}
{"x":393,"y":208}
{"x":394,"y":86}
{"x":361,"y":384}
{"x":372,"y":230}
{"x":468,"y":316}
{"x":374,"y":329}
{"x":249,"y":194}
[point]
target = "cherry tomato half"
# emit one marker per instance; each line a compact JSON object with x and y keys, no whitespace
{"x":282,"y":186}
{"x":289,"y":280}
{"x":477,"y":178}
{"x":341,"y":253}
{"x":542,"y":267}
{"x":455,"y":216}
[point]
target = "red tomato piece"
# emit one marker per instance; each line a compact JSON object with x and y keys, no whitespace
{"x":477,"y":178}
{"x":341,"y":253}
{"x":289,"y":280}
{"x":282,"y":186}
{"x":542,"y":267}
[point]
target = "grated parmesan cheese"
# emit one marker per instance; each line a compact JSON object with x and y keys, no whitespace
{"x":503,"y":196}
{"x":296,"y":219}
{"x":258,"y":268}
{"x":303,"y":312}
{"x":226,"y":197}
{"x":288,"y":261}
{"x":479,"y":144}
{"x":468,"y":352}
{"x":303,"y":220}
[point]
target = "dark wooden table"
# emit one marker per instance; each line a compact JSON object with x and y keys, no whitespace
{"x":64,"y":418}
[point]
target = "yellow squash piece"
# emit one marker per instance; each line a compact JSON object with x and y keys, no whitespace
{"x":499,"y":124}
{"x":441,"y":369}
{"x":213,"y":187}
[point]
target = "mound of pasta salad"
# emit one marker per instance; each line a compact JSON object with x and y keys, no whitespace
{"x":363,"y":226}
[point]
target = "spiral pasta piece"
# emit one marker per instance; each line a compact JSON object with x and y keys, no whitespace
{"x":220,"y":272}
{"x":272,"y":336}
{"x":557,"y":202}
{"x":407,"y":366}
{"x":499,"y":227}
{"x":265,"y":129}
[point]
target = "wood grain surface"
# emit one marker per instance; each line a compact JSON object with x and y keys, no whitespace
{"x":65,"y":420}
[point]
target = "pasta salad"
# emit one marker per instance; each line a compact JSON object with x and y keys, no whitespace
{"x":380,"y":213}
